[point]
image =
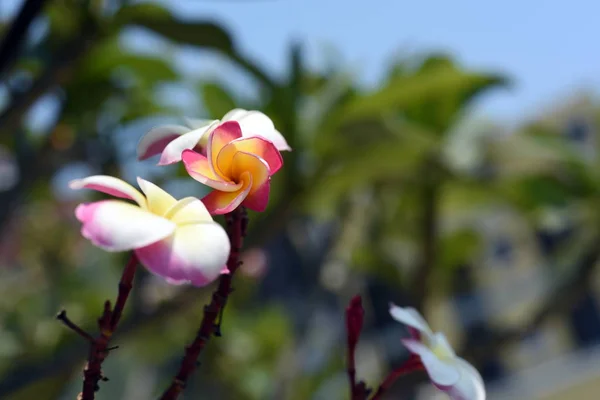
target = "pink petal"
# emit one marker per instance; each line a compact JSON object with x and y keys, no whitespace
{"x":258,"y":200}
{"x":197,"y":166}
{"x":114,"y":225}
{"x":194,"y":253}
{"x":109,"y":185}
{"x":219,"y":138}
{"x":155,"y":141}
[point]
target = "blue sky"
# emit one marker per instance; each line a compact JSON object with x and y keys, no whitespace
{"x":549,"y":47}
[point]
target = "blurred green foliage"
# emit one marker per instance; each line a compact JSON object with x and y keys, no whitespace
{"x":374,"y":164}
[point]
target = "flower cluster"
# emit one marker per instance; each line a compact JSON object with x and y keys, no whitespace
{"x":178,"y":240}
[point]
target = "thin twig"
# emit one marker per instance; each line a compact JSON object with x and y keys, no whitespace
{"x":411,"y":365}
{"x":236,"y":229}
{"x":107,"y":323}
{"x":62,"y":316}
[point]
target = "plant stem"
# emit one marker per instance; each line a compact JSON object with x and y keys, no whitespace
{"x":107,"y":323}
{"x":411,"y":365}
{"x":236,"y":229}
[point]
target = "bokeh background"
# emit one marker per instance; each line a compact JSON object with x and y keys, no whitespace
{"x":445,"y":157}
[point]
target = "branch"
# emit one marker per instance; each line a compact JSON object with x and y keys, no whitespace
{"x":17,"y":32}
{"x":236,"y":229}
{"x":562,"y":298}
{"x":412,"y":364}
{"x":107,"y":324}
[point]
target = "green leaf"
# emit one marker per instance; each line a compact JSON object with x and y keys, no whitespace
{"x":383,"y":160}
{"x":108,"y":57}
{"x":433,"y":96}
{"x":160,"y":20}
{"x":216,"y":99}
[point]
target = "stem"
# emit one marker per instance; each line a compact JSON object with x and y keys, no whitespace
{"x":107,"y":323}
{"x":236,"y":229}
{"x":411,"y":365}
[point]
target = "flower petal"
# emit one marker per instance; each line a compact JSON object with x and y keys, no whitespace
{"x":257,"y":167}
{"x":194,"y":123}
{"x":259,"y":198}
{"x":442,"y":373}
{"x":172,"y":153}
{"x":254,"y":145}
{"x":197,"y":166}
{"x":194,"y":253}
{"x":411,"y":318}
{"x":234,"y":114}
{"x":440,"y":345}
{"x":116,"y":226}
{"x":159,"y":201}
{"x":219,"y":138}
{"x":110,"y":185}
{"x":187,"y":211}
{"x":155,"y":141}
{"x":470,"y":385}
{"x":218,"y":202}
{"x":255,"y":123}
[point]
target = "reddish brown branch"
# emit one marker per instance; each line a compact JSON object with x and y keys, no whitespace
{"x":236,"y":229}
{"x":411,"y":365}
{"x":107,"y":323}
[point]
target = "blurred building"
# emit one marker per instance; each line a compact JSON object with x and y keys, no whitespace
{"x":514,"y":275}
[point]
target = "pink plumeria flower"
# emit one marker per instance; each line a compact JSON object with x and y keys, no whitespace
{"x":238,"y":168}
{"x":171,"y":140}
{"x":449,"y":373}
{"x":177,"y":240}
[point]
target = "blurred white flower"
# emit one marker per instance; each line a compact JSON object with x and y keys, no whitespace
{"x":447,"y":372}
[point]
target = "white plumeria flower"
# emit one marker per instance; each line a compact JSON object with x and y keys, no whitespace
{"x":171,"y":140}
{"x":449,"y":373}
{"x":176,"y":240}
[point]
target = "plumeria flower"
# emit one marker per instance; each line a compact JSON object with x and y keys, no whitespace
{"x":177,"y":240}
{"x":447,"y":372}
{"x":171,"y":140}
{"x":238,"y":168}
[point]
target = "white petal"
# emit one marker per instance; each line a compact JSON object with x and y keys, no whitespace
{"x":234,"y":115}
{"x":159,"y":201}
{"x":442,"y":373}
{"x":155,"y":141}
{"x":110,"y":185}
{"x":410,"y":317}
{"x":198,"y":123}
{"x":441,"y":345}
{"x":470,"y":385}
{"x":195,"y":253}
{"x":188,"y":210}
{"x":117,"y":226}
{"x":255,"y":123}
{"x":172,"y":153}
